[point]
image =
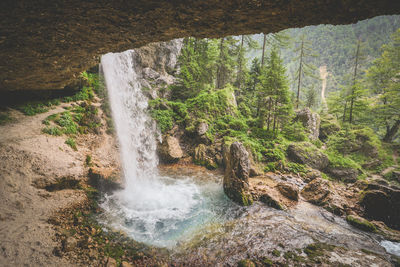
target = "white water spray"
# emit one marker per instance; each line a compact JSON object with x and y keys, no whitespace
{"x":151,"y":208}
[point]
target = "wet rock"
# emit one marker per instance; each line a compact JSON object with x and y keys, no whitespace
{"x":104,"y":179}
{"x":347,"y":175}
{"x":271,"y":201}
{"x":201,"y":157}
{"x":69,"y":244}
{"x":360,"y":223}
{"x":382,"y":203}
{"x":311,"y":175}
{"x":170,"y":150}
{"x":307,"y":153}
{"x":289,"y":190}
{"x":316,"y":191}
{"x":320,"y":192}
{"x":236,"y":178}
{"x":310,"y":121}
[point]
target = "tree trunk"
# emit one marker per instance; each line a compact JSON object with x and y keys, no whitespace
{"x":354,"y":83}
{"x":269,"y":113}
{"x":220,"y":65}
{"x":263,"y":50}
{"x":240,"y":64}
{"x":391,"y":133}
{"x":300,"y":70}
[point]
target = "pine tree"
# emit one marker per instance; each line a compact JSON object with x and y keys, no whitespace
{"x":226,"y":62}
{"x":246,"y":44}
{"x":273,"y":93}
{"x":384,"y":81}
{"x":304,"y":68}
{"x":197,"y":67}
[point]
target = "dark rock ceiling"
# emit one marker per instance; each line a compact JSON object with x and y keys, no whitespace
{"x":46,"y":44}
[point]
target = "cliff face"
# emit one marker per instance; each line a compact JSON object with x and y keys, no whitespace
{"x":156,"y":65}
{"x":46,"y":44}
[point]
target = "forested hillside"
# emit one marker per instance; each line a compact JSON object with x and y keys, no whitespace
{"x":334,"y":47}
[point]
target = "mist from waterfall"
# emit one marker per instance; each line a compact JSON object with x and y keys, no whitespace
{"x":151,"y":208}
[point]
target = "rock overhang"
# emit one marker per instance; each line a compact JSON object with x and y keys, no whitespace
{"x":46,"y":44}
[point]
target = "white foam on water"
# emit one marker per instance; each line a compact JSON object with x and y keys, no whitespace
{"x":391,"y":247}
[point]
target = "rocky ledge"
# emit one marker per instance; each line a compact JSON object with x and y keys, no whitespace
{"x":45,"y":45}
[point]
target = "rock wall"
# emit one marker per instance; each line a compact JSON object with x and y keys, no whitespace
{"x":46,"y":44}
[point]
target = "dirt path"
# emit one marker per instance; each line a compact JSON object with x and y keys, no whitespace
{"x":28,"y":160}
{"x":323,"y":74}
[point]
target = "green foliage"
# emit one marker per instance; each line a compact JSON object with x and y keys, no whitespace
{"x":295,"y":131}
{"x":67,"y":123}
{"x":52,"y":130}
{"x":5,"y":118}
{"x":197,"y":67}
{"x":361,"y":223}
{"x":88,"y":160}
{"x":274,"y":104}
{"x":33,"y":108}
{"x":296,"y":167}
{"x":164,"y":118}
{"x":338,"y":160}
{"x":71,"y":142}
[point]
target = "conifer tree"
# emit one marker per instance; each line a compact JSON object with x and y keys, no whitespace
{"x":274,"y":94}
{"x":304,"y":51}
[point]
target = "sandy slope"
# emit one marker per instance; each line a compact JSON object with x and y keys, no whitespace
{"x":29,"y":158}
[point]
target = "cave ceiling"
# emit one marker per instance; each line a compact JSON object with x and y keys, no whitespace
{"x":46,"y":44}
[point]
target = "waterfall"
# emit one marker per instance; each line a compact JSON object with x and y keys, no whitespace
{"x":151,"y":207}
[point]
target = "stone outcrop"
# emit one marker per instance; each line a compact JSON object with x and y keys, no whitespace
{"x":46,"y":44}
{"x":310,"y":121}
{"x":307,"y":153}
{"x":156,"y":64}
{"x":289,"y":190}
{"x":202,"y":157}
{"x":236,"y":178}
{"x":170,"y":150}
{"x":382,"y":202}
{"x":320,"y":192}
{"x":345,"y":174}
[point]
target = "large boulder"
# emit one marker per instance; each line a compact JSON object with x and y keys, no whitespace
{"x":310,"y":121}
{"x":345,"y":174}
{"x":289,"y":190}
{"x":307,"y":153}
{"x":236,"y":178}
{"x":317,"y":191}
{"x":320,"y":192}
{"x":382,"y":202}
{"x":170,"y":150}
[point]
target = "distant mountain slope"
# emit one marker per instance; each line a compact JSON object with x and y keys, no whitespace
{"x":335,"y":47}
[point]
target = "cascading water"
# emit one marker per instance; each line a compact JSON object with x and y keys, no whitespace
{"x":152,"y":208}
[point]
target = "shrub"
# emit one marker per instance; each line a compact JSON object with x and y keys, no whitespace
{"x":67,"y":123}
{"x":55,"y":130}
{"x":164,"y":119}
{"x":71,"y":142}
{"x":295,"y":132}
{"x":5,"y":118}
